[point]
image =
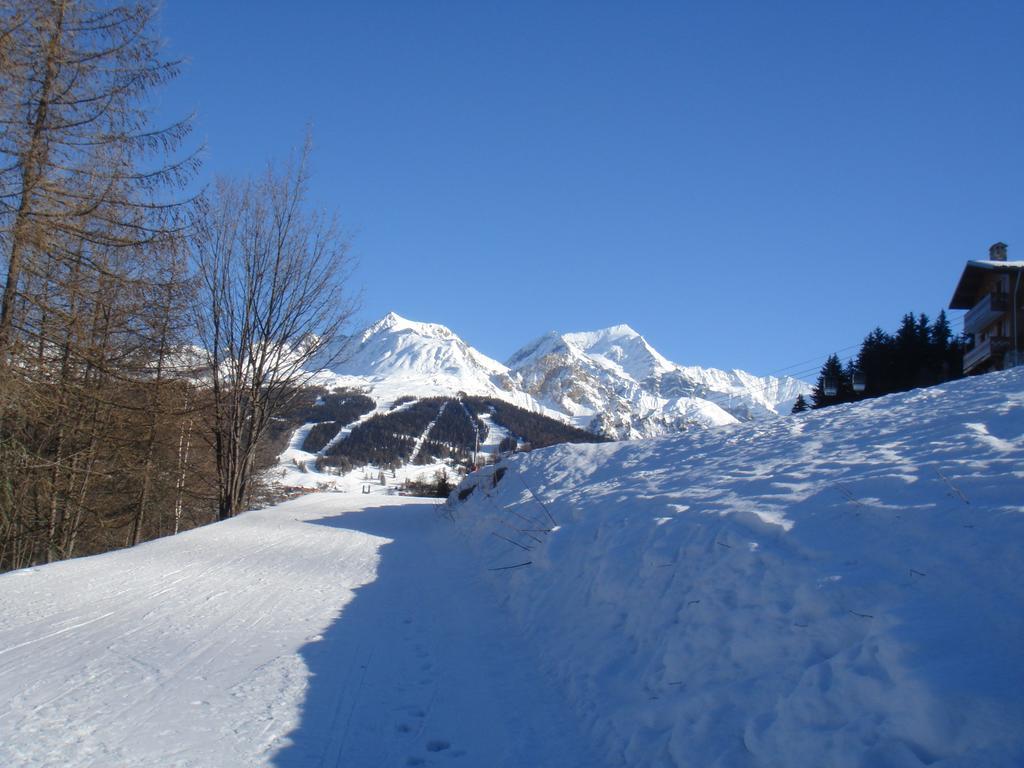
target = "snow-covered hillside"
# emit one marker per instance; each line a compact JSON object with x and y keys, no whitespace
{"x":842,"y":588}
{"x":611,"y":381}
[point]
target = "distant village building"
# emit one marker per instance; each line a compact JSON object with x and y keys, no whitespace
{"x":991,"y":293}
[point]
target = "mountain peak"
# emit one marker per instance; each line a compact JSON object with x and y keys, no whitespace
{"x":421,"y":358}
{"x":394,"y":322}
{"x":610,"y":335}
{"x":621,"y":347}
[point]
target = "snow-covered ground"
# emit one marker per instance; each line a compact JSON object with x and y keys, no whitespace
{"x":843,"y":588}
{"x":333,"y":630}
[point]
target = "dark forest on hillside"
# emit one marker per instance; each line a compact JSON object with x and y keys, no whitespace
{"x":386,"y":440}
{"x":332,"y":412}
{"x":537,"y":430}
{"x":389,"y":440}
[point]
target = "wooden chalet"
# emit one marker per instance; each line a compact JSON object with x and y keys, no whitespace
{"x":991,"y":292}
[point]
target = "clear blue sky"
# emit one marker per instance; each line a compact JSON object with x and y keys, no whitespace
{"x":748,"y":184}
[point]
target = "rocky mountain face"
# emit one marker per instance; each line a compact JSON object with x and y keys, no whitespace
{"x":616,"y":383}
{"x":611,"y":382}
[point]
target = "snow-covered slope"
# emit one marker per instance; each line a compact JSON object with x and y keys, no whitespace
{"x":842,"y":588}
{"x":333,"y":630}
{"x":610,"y":381}
{"x":613,"y":381}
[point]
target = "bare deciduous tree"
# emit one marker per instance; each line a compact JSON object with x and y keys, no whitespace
{"x":273,"y":302}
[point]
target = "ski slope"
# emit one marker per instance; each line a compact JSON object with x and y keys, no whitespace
{"x":333,"y":630}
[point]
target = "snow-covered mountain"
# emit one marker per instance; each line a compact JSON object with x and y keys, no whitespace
{"x":397,"y":347}
{"x":613,"y":381}
{"x":610,"y":381}
{"x":396,"y":357}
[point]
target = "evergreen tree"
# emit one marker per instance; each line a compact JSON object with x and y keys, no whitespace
{"x":941,"y":335}
{"x":800,"y":405}
{"x":946,"y":350}
{"x":875,"y":361}
{"x":832,"y":371}
{"x":910,"y":349}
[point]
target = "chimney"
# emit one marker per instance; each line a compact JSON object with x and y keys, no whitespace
{"x":997,"y":252}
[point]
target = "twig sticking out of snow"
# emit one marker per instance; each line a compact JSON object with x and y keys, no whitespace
{"x":531,"y":521}
{"x":510,"y":567}
{"x":955,"y":491}
{"x":510,"y":541}
{"x":537,"y":499}
{"x":522,"y":531}
{"x":848,"y":495}
{"x":446,"y":511}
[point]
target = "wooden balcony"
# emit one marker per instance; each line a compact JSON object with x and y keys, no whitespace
{"x":985,"y":312}
{"x":984,"y":351}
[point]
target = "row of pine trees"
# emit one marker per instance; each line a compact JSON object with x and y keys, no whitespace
{"x":919,"y":354}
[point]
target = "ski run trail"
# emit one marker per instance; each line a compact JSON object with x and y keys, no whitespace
{"x":838,"y":589}
{"x":333,"y":630}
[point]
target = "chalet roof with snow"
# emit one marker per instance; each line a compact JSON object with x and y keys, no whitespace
{"x":973,"y":279}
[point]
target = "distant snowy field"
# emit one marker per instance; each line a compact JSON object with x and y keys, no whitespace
{"x":843,"y":588}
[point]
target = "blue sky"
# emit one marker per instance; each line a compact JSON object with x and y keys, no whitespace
{"x":749,"y":185}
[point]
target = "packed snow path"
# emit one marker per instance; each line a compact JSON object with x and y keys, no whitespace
{"x":333,"y":630}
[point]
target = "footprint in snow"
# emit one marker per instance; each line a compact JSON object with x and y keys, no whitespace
{"x":437,"y":745}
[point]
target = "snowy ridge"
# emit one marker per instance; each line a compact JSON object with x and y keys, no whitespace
{"x":396,"y":357}
{"x":614,"y":382}
{"x":839,"y":588}
{"x":610,"y":381}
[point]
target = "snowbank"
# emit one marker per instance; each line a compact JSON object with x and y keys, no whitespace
{"x":841,"y":588}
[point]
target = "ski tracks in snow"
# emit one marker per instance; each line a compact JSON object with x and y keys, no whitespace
{"x":423,"y":669}
{"x":330,"y":631}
